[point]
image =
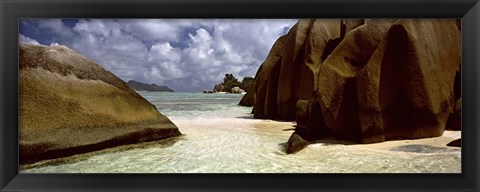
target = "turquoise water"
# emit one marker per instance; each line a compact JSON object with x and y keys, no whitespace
{"x":198,"y":105}
{"x":221,"y":137}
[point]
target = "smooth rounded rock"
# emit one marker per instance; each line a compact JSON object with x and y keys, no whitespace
{"x":69,"y":105}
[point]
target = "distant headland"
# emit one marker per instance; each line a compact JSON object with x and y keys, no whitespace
{"x":139,"y":86}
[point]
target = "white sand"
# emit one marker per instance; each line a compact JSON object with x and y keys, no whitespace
{"x":441,"y":141}
{"x":237,"y":147}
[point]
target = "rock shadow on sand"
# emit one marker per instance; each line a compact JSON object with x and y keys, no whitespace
{"x":418,"y":148}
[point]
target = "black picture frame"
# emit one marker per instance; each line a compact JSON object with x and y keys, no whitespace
{"x":11,"y":11}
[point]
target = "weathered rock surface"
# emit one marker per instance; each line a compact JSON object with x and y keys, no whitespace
{"x":455,"y":119}
{"x":296,"y":143}
{"x":266,"y":84}
{"x":70,"y":105}
{"x":362,"y":80}
{"x":139,"y":86}
{"x":290,"y":67}
{"x":248,"y":99}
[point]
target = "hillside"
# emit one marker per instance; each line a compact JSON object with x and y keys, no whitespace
{"x":139,"y":86}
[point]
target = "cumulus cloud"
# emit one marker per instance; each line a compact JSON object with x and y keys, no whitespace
{"x":27,"y":40}
{"x":59,"y":31}
{"x":165,"y":62}
{"x":149,"y":30}
{"x":184,"y":54}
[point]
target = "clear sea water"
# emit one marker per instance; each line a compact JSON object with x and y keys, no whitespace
{"x":220,"y":136}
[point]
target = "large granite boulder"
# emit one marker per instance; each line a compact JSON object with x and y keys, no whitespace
{"x":455,"y":119}
{"x":248,"y":99}
{"x":266,"y":84}
{"x":290,"y":67}
{"x":70,"y":105}
{"x":336,"y":85}
{"x":363,"y":80}
{"x":410,"y":89}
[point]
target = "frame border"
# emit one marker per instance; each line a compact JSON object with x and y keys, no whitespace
{"x":11,"y":11}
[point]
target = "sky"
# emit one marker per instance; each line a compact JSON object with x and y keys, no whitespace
{"x":184,"y":54}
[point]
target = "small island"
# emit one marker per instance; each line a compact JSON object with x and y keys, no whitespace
{"x":139,"y":86}
{"x":231,"y":84}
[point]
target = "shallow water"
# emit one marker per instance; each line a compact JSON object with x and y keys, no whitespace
{"x":222,"y":137}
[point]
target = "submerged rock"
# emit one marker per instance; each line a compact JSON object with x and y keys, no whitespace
{"x":71,"y":105}
{"x":362,"y":80}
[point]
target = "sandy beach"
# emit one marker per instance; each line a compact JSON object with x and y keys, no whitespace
{"x":441,"y":141}
{"x":206,"y":148}
{"x":221,"y":137}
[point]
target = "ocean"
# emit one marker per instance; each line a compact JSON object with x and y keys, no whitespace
{"x":219,"y":136}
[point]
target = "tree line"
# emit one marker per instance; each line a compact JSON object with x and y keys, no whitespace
{"x":230,"y":81}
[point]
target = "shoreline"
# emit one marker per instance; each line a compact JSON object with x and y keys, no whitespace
{"x":441,"y":141}
{"x":261,"y":140}
{"x":242,"y":93}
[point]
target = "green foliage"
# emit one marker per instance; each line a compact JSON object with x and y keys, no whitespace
{"x":247,"y":82}
{"x":229,"y":82}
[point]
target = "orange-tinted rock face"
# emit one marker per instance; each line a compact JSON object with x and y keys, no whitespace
{"x":366,"y":80}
